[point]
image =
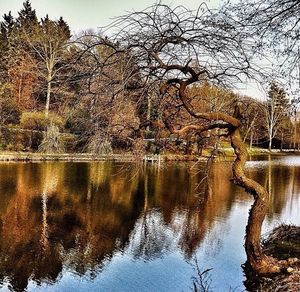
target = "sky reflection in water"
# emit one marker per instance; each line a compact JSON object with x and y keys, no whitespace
{"x":96,"y":227}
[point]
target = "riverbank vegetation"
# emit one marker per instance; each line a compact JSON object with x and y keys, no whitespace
{"x":282,"y":242}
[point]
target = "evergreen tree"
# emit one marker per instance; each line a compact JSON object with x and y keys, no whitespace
{"x":27,"y":15}
{"x":7,"y":24}
{"x":64,"y":27}
{"x":32,"y":54}
{"x":6,"y":27}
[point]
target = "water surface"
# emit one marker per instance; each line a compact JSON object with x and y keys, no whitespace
{"x":105,"y":227}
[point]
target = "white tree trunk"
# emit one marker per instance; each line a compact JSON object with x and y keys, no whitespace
{"x":48,"y":97}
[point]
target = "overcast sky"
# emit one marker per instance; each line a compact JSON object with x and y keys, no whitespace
{"x":86,"y":14}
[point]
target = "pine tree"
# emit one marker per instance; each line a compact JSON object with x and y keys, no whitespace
{"x":8,"y":24}
{"x":64,"y":27}
{"x":6,"y":27}
{"x":27,"y":15}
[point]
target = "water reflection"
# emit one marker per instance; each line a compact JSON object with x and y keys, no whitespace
{"x":61,"y":218}
{"x":281,"y":177}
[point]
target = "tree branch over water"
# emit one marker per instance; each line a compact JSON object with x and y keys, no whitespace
{"x":179,"y":49}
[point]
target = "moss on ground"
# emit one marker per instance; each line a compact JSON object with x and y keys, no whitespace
{"x":282,"y":243}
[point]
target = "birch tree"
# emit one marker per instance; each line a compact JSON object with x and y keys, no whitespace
{"x":276,"y":109}
{"x":48,"y":40}
{"x":33,"y":48}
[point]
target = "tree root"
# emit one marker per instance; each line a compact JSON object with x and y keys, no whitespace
{"x":283,"y":243}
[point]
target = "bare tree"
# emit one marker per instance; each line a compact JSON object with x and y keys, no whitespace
{"x":275,"y":27}
{"x":48,"y":41}
{"x":179,"y":48}
{"x":253,"y":120}
{"x":276,"y":109}
{"x":106,"y":109}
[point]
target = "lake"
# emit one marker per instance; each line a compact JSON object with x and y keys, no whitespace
{"x":104,"y":226}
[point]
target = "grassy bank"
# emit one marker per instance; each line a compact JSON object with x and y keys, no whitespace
{"x":35,"y":156}
{"x":281,"y":243}
{"x":126,"y":157}
{"x":30,"y":156}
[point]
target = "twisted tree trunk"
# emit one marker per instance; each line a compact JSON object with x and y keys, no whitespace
{"x":261,"y":263}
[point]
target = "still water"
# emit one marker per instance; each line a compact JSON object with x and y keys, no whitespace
{"x":105,"y":227}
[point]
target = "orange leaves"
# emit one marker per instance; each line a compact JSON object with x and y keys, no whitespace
{"x":23,"y":79}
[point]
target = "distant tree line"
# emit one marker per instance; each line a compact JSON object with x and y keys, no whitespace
{"x":99,"y":97}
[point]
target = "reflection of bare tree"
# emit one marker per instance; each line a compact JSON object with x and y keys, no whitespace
{"x":88,"y":211}
{"x":78,"y":215}
{"x":216,"y":200}
{"x":185,"y":218}
{"x":151,"y":238}
{"x":54,"y":229}
{"x":50,"y":180}
{"x":294,"y":189}
{"x":279,"y":194}
{"x":44,"y":235}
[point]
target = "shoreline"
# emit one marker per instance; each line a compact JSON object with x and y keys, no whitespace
{"x":87,"y":157}
{"x":40,"y":157}
{"x":125,"y":157}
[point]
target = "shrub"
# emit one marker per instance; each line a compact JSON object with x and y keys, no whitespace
{"x":16,"y":139}
{"x":9,"y":147}
{"x":32,"y":140}
{"x":38,"y":121}
{"x":52,"y":141}
{"x":100,"y":146}
{"x":70,"y":142}
{"x":9,"y":112}
{"x":76,"y":121}
{"x":14,"y":147}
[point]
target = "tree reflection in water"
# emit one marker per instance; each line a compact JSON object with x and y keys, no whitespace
{"x":77,"y":215}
